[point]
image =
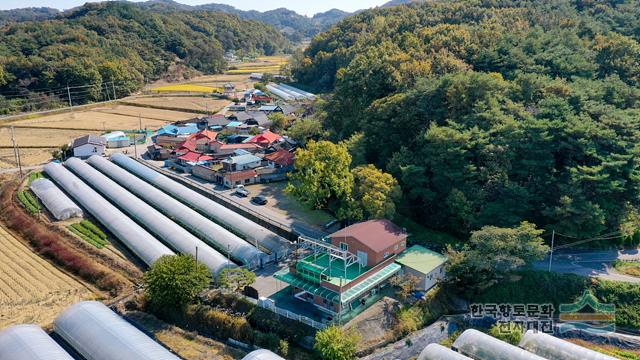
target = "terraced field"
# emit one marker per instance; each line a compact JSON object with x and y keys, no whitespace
{"x":31,"y":289}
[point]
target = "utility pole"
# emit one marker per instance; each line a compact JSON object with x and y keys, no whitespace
{"x":553,"y":238}
{"x":113,"y":86}
{"x":106,"y":90}
{"x":69,"y":94}
{"x":16,"y":150}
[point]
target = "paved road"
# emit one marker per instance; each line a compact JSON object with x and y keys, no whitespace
{"x":592,"y":263}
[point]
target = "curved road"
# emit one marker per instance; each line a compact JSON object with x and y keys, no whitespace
{"x":597,"y":263}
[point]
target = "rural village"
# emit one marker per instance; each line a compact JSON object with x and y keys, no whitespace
{"x":182,"y":221}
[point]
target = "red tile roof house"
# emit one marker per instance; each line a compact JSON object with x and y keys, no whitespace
{"x":348,"y":272}
{"x":265,"y":139}
{"x":220,"y":150}
{"x":185,"y":161}
{"x":279,"y":164}
{"x":202,"y":139}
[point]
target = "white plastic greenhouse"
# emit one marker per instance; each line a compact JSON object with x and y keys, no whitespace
{"x":439,"y":352}
{"x":294,"y":94}
{"x":252,"y":232}
{"x":214,"y":234}
{"x":29,"y":342}
{"x":306,"y":94}
{"x":97,"y":333}
{"x":59,"y":204}
{"x":164,"y":228}
{"x":553,"y":348}
{"x":262,"y":354}
{"x":138,"y":240}
{"x":280,"y":93}
{"x":480,"y":346}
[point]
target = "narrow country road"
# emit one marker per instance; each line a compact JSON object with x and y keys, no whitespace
{"x":597,"y":263}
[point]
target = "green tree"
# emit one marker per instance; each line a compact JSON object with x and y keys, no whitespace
{"x":357,"y":149}
{"x":376,"y":191}
{"x":236,"y":279}
{"x":307,"y":129}
{"x":493,"y":252}
{"x":321,"y":174}
{"x":119,"y":77}
{"x":174,"y":281}
{"x":618,"y":54}
{"x":279,"y":121}
{"x":335,"y":343}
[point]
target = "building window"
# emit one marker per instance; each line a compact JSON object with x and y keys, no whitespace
{"x":344,"y":246}
{"x":386,"y":254}
{"x":395,"y":247}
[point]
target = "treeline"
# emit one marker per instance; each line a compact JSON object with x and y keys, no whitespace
{"x":115,"y":46}
{"x":492,"y":112}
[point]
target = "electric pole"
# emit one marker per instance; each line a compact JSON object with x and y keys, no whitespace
{"x":16,"y":150}
{"x":553,"y":238}
{"x":113,"y":86}
{"x":69,"y":94}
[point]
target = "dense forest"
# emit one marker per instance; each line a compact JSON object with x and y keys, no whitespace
{"x":108,"y":47}
{"x":27,"y":14}
{"x":492,"y":112}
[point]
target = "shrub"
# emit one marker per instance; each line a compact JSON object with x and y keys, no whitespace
{"x":409,"y":319}
{"x":508,"y":332}
{"x":334,"y":343}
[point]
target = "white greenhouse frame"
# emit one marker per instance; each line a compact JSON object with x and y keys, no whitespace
{"x":29,"y":342}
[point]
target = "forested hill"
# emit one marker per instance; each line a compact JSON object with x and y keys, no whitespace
{"x":293,"y":25}
{"x":27,"y":14}
{"x":493,"y":112}
{"x":116,"y":41}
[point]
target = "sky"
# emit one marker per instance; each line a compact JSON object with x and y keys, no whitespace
{"x":306,"y":7}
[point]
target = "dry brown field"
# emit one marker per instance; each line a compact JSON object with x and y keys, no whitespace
{"x":115,"y":117}
{"x":29,"y":157}
{"x":31,"y":289}
{"x":183,"y":102}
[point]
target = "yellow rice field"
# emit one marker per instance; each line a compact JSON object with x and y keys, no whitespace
{"x":187,"y":88}
{"x":31,"y":289}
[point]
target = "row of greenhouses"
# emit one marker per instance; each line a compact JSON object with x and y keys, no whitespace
{"x":153,"y":215}
{"x":91,"y":329}
{"x":534,"y":345}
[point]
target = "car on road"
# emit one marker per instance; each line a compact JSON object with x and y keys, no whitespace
{"x":241,"y":191}
{"x":259,"y":200}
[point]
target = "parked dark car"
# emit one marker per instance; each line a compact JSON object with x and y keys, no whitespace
{"x":259,"y":200}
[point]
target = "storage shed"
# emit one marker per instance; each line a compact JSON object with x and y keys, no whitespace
{"x":424,"y":264}
{"x":29,"y":342}
{"x":97,"y":333}
{"x":57,"y":202}
{"x":88,"y":145}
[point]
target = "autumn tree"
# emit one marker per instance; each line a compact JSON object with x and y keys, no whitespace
{"x":376,"y":192}
{"x":321,"y":174}
{"x":279,"y":121}
{"x":174,"y":281}
{"x":307,"y":129}
{"x":335,"y":343}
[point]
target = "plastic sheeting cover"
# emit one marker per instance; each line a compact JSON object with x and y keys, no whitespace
{"x":439,"y":352}
{"x":59,"y":204}
{"x":262,"y":354}
{"x":228,"y":218}
{"x":481,"y":346}
{"x":280,"y":93}
{"x":173,"y":234}
{"x":553,"y":348}
{"x":213,"y":233}
{"x":29,"y":342}
{"x":97,"y":333}
{"x":138,"y":240}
